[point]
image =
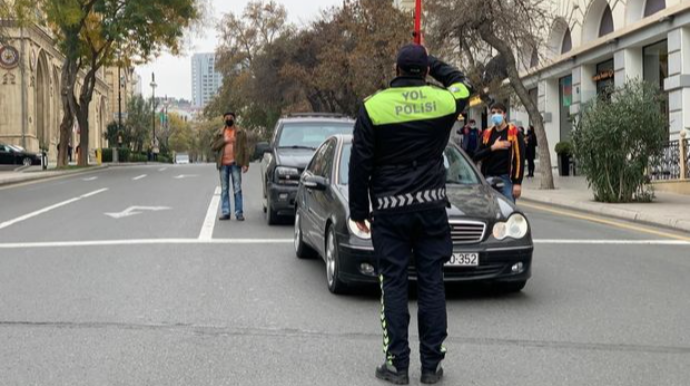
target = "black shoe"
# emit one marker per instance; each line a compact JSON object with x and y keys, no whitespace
{"x":240,"y":217}
{"x":390,"y":374}
{"x":225,"y":217}
{"x":432,"y":377}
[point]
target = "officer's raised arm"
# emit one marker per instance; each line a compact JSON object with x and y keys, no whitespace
{"x":453,"y":79}
{"x":361,"y":166}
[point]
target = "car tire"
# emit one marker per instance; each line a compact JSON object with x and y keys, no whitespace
{"x":333,"y":280}
{"x":265,"y":203}
{"x":271,"y":215}
{"x":302,"y":250}
{"x":27,"y":162}
{"x":511,"y":287}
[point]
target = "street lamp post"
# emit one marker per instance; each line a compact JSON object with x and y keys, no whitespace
{"x":153,"y":102}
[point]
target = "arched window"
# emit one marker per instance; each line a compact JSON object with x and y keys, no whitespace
{"x":606,"y":26}
{"x":567,"y":44}
{"x":654,"y":6}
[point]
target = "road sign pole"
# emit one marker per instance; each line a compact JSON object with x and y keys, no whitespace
{"x":418,"y":22}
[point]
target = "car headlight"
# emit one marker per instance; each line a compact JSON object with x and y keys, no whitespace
{"x":515,"y":228}
{"x":285,"y":175}
{"x":352,"y":226}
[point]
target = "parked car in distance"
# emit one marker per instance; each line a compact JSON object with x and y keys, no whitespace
{"x":294,"y":142}
{"x":15,"y":155}
{"x":492,"y":240}
{"x":182,"y":158}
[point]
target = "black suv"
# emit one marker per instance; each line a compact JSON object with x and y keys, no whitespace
{"x":295,"y":140}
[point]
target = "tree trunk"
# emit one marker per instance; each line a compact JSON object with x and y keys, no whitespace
{"x":83,"y":119}
{"x":68,"y":77}
{"x":532,"y":109}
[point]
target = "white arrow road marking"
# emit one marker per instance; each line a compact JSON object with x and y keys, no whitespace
{"x":48,"y":209}
{"x":210,"y":220}
{"x":139,"y":177}
{"x":135,"y":210}
{"x":183,"y":176}
{"x":89,"y":179}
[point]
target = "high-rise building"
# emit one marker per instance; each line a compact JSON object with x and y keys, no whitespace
{"x":205,"y":79}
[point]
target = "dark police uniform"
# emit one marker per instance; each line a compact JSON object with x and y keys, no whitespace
{"x":397,"y":169}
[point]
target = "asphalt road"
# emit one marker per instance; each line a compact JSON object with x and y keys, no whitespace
{"x":94,"y":294}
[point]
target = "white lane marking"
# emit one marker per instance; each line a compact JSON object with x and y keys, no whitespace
{"x":210,"y":220}
{"x":109,"y":243}
{"x":139,"y":177}
{"x":102,"y":243}
{"x":135,"y":210}
{"x":25,"y":217}
{"x":162,"y":169}
{"x":183,"y":176}
{"x":89,"y":179}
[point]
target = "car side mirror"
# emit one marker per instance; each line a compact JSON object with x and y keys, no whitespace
{"x":496,"y":183}
{"x":262,"y":148}
{"x":315,"y":183}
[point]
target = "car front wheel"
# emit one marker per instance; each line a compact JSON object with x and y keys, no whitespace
{"x":335,"y":284}
{"x":271,"y":215}
{"x":27,"y":162}
{"x":511,"y":287}
{"x":302,"y":250}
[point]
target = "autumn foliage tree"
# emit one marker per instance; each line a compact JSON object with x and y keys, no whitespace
{"x":93,"y":33}
{"x":515,"y":30}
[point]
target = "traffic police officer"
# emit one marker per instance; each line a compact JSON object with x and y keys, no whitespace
{"x":397,"y":169}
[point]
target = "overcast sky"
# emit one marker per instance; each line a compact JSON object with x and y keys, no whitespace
{"x":173,"y":74}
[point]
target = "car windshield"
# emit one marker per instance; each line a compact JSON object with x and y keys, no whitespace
{"x":16,"y":148}
{"x":459,"y":171}
{"x":310,"y":135}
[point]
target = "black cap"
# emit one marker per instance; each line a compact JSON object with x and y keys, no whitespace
{"x":230,"y":113}
{"x":413,"y":59}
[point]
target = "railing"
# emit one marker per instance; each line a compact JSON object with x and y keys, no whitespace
{"x":668,"y":166}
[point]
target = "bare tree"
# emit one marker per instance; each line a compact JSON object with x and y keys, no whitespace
{"x":515,"y":30}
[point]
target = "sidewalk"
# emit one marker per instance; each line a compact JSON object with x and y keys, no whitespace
{"x":668,"y":210}
{"x":35,"y":174}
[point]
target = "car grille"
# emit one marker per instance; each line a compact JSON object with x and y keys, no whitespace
{"x":467,"y":232}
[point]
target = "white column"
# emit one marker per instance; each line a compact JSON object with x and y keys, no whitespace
{"x":678,"y":82}
{"x":628,"y":65}
{"x":584,"y":88}
{"x":548,"y":106}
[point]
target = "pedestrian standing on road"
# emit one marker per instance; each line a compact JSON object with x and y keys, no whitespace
{"x":531,"y":144}
{"x":470,"y":139}
{"x":232,"y":159}
{"x":502,"y":153}
{"x":397,"y":162}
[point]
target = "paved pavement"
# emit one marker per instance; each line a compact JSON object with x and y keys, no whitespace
{"x":668,"y":209}
{"x":158,"y":295}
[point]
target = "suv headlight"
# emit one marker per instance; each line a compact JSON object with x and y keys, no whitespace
{"x":352,"y":226}
{"x":287,"y":176}
{"x":516,"y":228}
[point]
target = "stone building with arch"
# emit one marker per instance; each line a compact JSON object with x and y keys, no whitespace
{"x":594,"y":44}
{"x":30,"y":103}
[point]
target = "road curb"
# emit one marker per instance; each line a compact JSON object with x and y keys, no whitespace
{"x":58,"y":174}
{"x":618,"y":213}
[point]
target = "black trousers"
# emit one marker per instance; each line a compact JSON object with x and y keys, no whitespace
{"x":530,"y":166}
{"x":424,"y":236}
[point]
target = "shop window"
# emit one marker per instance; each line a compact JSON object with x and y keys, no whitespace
{"x":654,"y":6}
{"x":605,"y":79}
{"x":606,"y":25}
{"x":566,"y":100}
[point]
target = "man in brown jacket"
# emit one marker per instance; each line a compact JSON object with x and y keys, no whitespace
{"x":232,"y":159}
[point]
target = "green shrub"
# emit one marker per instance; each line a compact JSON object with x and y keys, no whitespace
{"x":123,"y":154}
{"x":564,"y":148}
{"x":615,"y":140}
{"x":107,"y":155}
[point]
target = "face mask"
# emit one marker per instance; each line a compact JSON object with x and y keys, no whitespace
{"x":230,"y":122}
{"x":497,"y":119}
